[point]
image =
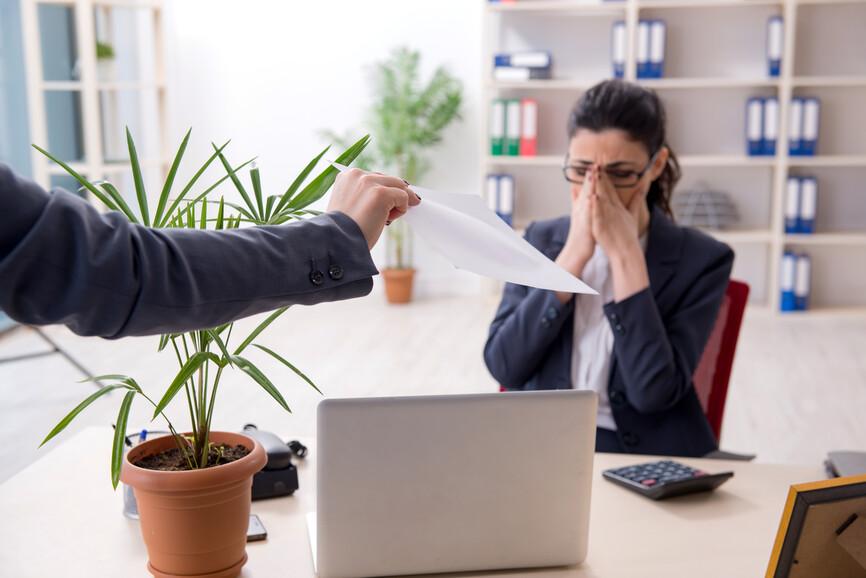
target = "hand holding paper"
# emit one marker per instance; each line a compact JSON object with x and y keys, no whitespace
{"x":472,"y":237}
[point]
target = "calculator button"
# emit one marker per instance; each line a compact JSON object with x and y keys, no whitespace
{"x":649,"y":482}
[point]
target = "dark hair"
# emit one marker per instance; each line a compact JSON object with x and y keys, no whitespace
{"x":617,"y":104}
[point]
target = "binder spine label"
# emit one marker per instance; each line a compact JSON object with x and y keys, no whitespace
{"x":506,"y":198}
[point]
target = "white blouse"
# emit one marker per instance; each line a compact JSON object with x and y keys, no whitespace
{"x":593,"y":338}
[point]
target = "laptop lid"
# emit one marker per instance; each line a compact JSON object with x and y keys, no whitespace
{"x":452,"y":483}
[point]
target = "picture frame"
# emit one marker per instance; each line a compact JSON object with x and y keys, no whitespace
{"x":822,"y":531}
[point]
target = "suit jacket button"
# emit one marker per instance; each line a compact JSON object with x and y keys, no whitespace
{"x":616,"y":397}
{"x":552,"y":314}
{"x":620,"y":330}
{"x":336,"y":272}
{"x":317,"y":277}
{"x":545,"y":323}
{"x":614,"y":317}
{"x":629,"y":439}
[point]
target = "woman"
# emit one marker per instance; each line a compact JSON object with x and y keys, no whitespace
{"x":660,"y":286}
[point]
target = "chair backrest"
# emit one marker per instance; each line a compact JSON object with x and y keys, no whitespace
{"x":714,"y":369}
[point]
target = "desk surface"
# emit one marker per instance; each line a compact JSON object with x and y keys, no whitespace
{"x":60,"y":517}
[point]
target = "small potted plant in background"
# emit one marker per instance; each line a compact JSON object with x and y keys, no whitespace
{"x":194,"y":520}
{"x":405,"y":120}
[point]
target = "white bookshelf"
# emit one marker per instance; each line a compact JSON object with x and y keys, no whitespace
{"x":103,"y":96}
{"x":715,"y":61}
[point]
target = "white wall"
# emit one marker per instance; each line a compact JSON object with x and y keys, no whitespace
{"x":271,"y":74}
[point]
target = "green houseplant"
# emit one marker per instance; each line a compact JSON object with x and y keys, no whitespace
{"x":407,"y":118}
{"x":203,"y":357}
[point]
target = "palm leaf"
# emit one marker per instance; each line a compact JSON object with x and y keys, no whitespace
{"x":120,"y":438}
{"x":287,"y":196}
{"x":115,"y":195}
{"x":255,"y":333}
{"x":237,"y":182}
{"x":168,"y":214}
{"x":320,"y":185}
{"x":289,"y":365}
{"x":81,"y":406}
{"x":192,"y":365}
{"x":256,"y":179}
{"x":138,"y":180}
{"x":169,"y":180}
{"x":255,"y":373}
{"x":84,"y":182}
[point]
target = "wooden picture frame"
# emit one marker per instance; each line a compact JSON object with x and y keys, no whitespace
{"x":822,"y":531}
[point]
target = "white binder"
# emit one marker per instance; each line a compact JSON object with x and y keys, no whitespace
{"x":491,"y":192}
{"x":795,"y":127}
{"x":792,"y":205}
{"x":774,"y":45}
{"x":754,"y":126}
{"x":657,"y":48}
{"x":617,"y":48}
{"x":771,"y":125}
{"x":803,"y":282}
{"x":506,"y":198}
{"x":643,"y":40}
{"x":811,"y":113}
{"x":808,"y":205}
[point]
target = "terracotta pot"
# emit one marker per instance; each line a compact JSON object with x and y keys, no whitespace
{"x":194,"y":523}
{"x":398,"y":285}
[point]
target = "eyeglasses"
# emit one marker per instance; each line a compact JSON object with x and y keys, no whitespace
{"x":621,"y":179}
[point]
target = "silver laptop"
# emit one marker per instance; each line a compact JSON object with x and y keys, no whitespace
{"x":452,"y":483}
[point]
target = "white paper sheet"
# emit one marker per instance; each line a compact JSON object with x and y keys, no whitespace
{"x":472,"y":237}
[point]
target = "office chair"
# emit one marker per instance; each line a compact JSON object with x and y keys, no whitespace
{"x":713,"y":373}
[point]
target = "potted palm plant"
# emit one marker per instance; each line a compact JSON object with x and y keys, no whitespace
{"x":407,"y":117}
{"x":194,"y":517}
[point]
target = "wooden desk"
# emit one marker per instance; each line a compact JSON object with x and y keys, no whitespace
{"x":60,"y":517}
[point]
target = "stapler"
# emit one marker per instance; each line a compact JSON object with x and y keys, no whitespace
{"x":279,"y":477}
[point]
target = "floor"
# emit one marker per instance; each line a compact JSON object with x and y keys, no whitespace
{"x":798,"y":387}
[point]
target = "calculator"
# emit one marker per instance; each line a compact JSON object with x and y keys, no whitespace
{"x":665,"y":478}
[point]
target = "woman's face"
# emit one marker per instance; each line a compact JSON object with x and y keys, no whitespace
{"x":622,"y":160}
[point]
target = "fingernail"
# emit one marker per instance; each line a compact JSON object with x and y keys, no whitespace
{"x":418,"y":196}
{"x":407,"y":182}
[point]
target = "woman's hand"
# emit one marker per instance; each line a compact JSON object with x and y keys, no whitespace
{"x":371,"y":200}
{"x":580,"y":244}
{"x":617,"y":227}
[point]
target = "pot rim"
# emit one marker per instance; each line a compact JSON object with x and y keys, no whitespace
{"x":142,"y":478}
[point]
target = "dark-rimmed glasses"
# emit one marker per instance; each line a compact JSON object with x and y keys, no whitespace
{"x":620,"y":178}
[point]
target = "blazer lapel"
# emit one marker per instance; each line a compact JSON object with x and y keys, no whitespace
{"x":664,"y":248}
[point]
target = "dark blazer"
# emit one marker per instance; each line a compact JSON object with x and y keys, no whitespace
{"x":659,"y":335}
{"x":61,"y":261}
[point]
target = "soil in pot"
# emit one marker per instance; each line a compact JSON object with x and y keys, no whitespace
{"x":172,"y":460}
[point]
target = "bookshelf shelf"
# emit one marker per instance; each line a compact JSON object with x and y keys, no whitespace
{"x":108,"y":95}
{"x":715,"y":61}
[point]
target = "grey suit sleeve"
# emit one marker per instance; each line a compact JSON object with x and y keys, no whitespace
{"x":61,"y":261}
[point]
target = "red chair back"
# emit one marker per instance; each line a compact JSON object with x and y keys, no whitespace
{"x":714,"y":369}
